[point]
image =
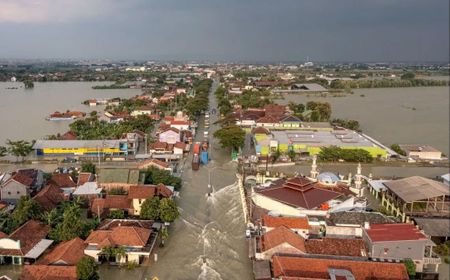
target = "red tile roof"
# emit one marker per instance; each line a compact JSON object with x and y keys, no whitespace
{"x":84,"y":177}
{"x":141,"y":192}
{"x":153,"y":162}
{"x":62,"y":180}
{"x":394,"y":232}
{"x":69,"y":135}
{"x":180,"y":145}
{"x":68,"y":253}
{"x":317,"y":268}
{"x":29,"y":234}
{"x":110,"y":202}
{"x":46,"y":272}
{"x":120,"y":236}
{"x":289,"y":222}
{"x":301,"y":192}
{"x":180,"y":123}
{"x":324,"y":246}
{"x":49,"y":197}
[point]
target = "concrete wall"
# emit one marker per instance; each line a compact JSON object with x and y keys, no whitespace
{"x":284,"y":248}
{"x":13,"y":191}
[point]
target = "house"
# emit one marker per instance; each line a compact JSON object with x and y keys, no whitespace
{"x":131,"y":203}
{"x":135,"y":241}
{"x":300,"y":196}
{"x":156,"y":163}
{"x":397,"y":242}
{"x":49,"y":197}
{"x":179,"y":148}
{"x":423,"y":152}
{"x":69,"y":135}
{"x":438,"y":229}
{"x":143,"y":110}
{"x":65,"y":253}
{"x":64,"y":182}
{"x":20,"y":183}
{"x":170,"y":136}
{"x":85,"y":177}
{"x":180,"y":124}
{"x":299,"y":225}
{"x":25,"y":244}
{"x":282,"y":240}
{"x":46,"y":272}
{"x":89,"y":190}
{"x":351,"y":223}
{"x":416,"y":197}
{"x":138,"y":194}
{"x":161,"y":148}
{"x":305,"y":267}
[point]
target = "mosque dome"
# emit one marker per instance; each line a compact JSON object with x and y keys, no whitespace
{"x":328,"y":178}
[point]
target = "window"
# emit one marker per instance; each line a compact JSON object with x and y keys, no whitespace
{"x":9,"y":192}
{"x":18,"y":192}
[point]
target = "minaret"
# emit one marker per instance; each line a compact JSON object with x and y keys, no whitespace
{"x":314,"y":172}
{"x":358,"y":179}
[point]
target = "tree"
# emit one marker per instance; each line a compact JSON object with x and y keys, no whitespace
{"x":396,"y":148}
{"x":334,"y":153}
{"x":28,"y":84}
{"x":88,"y":166}
{"x":408,"y":76}
{"x":71,"y":225}
{"x":51,"y":217}
{"x":164,"y":235}
{"x":168,"y":210}
{"x":87,"y":269}
{"x":292,"y":154}
{"x":410,"y":267}
{"x":116,"y":214}
{"x":157,"y":176}
{"x":231,"y":136}
{"x":150,"y":209}
{"x":3,"y":151}
{"x":20,"y":148}
{"x":275,"y":156}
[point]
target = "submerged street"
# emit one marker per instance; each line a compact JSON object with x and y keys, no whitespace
{"x":208,"y":240}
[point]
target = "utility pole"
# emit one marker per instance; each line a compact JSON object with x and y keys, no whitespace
{"x":145,"y":143}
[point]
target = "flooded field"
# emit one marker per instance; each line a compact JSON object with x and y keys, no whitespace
{"x":394,"y":115}
{"x":23,"y":111}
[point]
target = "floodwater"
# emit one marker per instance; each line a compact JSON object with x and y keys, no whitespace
{"x":208,"y":241}
{"x":417,"y":115}
{"x":23,"y":111}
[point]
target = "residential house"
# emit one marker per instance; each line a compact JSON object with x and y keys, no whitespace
{"x":170,"y":136}
{"x":138,"y":194}
{"x":20,"y":183}
{"x":25,"y":244}
{"x":101,"y":207}
{"x":397,"y":242}
{"x":64,"y":182}
{"x":282,"y":240}
{"x":85,"y":177}
{"x":49,"y":197}
{"x":134,"y":240}
{"x":299,"y":225}
{"x":179,"y":148}
{"x":89,"y":190}
{"x":305,"y":267}
{"x":46,"y":272}
{"x":143,"y":110}
{"x":180,"y":124}
{"x":65,"y":253}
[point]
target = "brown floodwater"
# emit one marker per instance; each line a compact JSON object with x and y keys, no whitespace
{"x":417,"y":115}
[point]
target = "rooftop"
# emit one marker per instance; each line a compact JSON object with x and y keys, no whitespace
{"x":394,"y":232}
{"x":289,"y":222}
{"x":120,"y":236}
{"x":45,"y":272}
{"x":435,"y":227}
{"x":68,"y":253}
{"x":61,"y":144}
{"x":318,"y":268}
{"x":358,"y":218}
{"x":417,"y":188}
{"x":118,"y":175}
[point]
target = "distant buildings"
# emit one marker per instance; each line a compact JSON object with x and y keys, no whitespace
{"x":422,"y":152}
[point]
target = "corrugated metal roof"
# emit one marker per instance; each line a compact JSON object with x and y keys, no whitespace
{"x":39,"y":248}
{"x":417,"y":188}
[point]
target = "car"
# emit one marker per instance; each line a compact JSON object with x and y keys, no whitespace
{"x":69,"y":160}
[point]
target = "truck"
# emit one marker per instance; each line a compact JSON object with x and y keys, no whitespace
{"x":196,"y":157}
{"x":204,"y":156}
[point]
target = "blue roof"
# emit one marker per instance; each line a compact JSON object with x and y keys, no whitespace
{"x":328,"y":177}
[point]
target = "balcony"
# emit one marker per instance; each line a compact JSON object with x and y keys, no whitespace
{"x":432,"y":260}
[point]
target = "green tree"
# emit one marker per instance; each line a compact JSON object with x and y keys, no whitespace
{"x":157,"y":176}
{"x":150,"y":209}
{"x":396,"y":148}
{"x":231,"y":136}
{"x":51,"y":217}
{"x":168,"y":210}
{"x":292,"y":155}
{"x":334,"y":153}
{"x":408,"y":76}
{"x":71,"y":225}
{"x":164,"y":235}
{"x":28,"y":84}
{"x":3,"y":151}
{"x":410,"y":267}
{"x":116,"y":214}
{"x":87,"y":269}
{"x":26,"y":209}
{"x":20,"y":148}
{"x":88,"y":166}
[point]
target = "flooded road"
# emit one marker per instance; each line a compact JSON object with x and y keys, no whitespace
{"x":418,"y":115}
{"x":208,"y":241}
{"x":23,"y":111}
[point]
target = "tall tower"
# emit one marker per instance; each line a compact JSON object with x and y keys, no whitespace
{"x":314,"y":171}
{"x":358,"y":179}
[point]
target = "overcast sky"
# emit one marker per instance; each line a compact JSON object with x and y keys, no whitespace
{"x":246,"y":30}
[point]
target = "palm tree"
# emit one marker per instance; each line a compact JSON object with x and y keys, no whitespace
{"x":120,"y":253}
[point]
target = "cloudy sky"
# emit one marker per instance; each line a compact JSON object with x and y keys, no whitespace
{"x":246,"y":30}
